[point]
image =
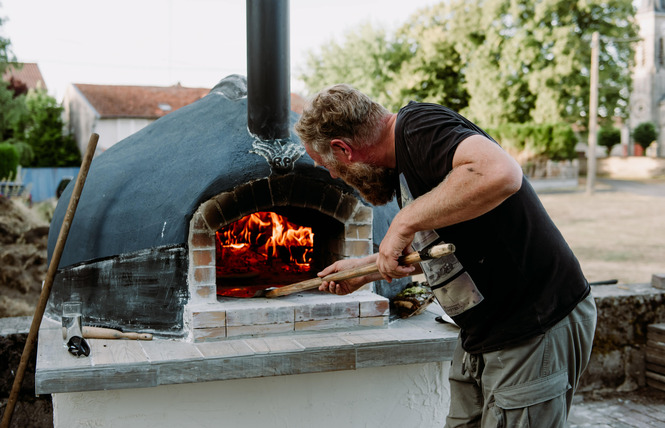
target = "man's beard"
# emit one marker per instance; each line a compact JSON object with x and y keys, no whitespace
{"x":377,"y":184}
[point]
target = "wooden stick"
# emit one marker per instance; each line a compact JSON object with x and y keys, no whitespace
{"x":111,"y":333}
{"x":435,"y":252}
{"x":48,"y":282}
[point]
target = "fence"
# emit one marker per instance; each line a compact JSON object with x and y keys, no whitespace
{"x":44,"y":182}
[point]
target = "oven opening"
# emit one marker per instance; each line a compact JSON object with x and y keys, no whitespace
{"x":272,"y":248}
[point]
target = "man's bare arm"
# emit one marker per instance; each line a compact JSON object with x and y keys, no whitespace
{"x":483,"y":176}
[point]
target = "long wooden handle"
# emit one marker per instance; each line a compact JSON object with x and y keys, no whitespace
{"x":434,"y":252}
{"x":48,"y":281}
{"x":110,"y":333}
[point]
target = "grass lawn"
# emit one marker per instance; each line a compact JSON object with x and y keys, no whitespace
{"x":614,"y":235}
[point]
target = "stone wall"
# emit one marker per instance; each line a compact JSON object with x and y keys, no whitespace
{"x":618,"y":356}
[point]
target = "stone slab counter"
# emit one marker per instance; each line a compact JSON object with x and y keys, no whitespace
{"x":400,"y":370}
{"x":118,"y":364}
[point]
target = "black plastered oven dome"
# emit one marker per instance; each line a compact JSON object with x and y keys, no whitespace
{"x":127,"y":251}
{"x":138,"y":249}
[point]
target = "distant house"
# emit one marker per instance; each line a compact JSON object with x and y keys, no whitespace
{"x":116,"y":112}
{"x":26,"y":73}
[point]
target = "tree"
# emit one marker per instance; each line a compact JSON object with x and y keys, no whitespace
{"x":536,"y":141}
{"x":414,"y":63}
{"x":8,"y":161}
{"x":609,"y":136}
{"x":530,"y":60}
{"x":42,"y":129}
{"x":496,"y":61}
{"x":645,"y":133}
{"x":30,"y":120}
{"x":12,"y":105}
{"x":368,"y":59}
{"x":432,"y":69}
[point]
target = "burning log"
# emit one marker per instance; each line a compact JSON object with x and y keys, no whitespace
{"x":262,"y":249}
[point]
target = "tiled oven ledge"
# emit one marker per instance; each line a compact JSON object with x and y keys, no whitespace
{"x":299,"y":312}
{"x":120,"y":364}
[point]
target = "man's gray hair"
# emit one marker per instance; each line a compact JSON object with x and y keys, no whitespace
{"x":343,"y":112}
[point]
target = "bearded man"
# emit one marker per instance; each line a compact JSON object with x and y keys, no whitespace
{"x":513,"y":286}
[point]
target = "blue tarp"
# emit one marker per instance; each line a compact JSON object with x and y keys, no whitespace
{"x":43,"y":182}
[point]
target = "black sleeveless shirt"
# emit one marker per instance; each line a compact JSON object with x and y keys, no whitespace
{"x":518,"y":259}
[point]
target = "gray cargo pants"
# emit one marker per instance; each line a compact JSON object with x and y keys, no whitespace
{"x":527,"y":385}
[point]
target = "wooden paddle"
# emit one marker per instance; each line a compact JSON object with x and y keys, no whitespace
{"x":434,"y":252}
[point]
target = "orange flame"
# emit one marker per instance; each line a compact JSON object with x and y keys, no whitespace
{"x":265,"y":233}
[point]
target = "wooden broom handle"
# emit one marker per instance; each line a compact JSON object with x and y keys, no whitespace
{"x":434,"y":252}
{"x":48,"y":281}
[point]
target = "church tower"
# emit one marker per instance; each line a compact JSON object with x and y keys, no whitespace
{"x":647,"y":100}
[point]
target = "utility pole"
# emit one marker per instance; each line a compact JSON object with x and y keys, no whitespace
{"x":593,"y":117}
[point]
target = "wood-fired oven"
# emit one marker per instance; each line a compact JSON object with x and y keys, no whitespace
{"x":146,"y":250}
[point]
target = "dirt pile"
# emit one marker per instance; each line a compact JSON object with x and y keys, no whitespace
{"x":23,"y":265}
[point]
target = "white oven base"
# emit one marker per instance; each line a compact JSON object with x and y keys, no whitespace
{"x":413,"y":395}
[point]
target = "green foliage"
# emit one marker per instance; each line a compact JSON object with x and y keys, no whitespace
{"x":42,"y":129}
{"x":609,"y":136}
{"x":432,"y":70}
{"x":645,"y":133}
{"x":11,"y":106}
{"x":564,"y":140}
{"x":8,"y":161}
{"x":554,"y":141}
{"x":6,"y":55}
{"x":531,"y":60}
{"x":32,"y":122}
{"x":12,"y":110}
{"x":367,"y":58}
{"x":416,"y":63}
{"x":495,"y":61}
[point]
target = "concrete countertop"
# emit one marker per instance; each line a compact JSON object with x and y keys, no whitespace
{"x":120,"y":364}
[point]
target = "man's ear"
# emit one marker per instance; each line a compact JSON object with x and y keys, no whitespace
{"x":346,"y":150}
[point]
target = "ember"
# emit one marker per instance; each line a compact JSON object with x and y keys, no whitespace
{"x":263,"y":249}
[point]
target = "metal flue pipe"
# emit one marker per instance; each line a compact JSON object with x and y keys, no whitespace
{"x":268,"y":76}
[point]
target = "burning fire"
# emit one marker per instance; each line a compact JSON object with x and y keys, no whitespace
{"x":263,"y":238}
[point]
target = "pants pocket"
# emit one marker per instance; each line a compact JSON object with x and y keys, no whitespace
{"x":539,"y":403}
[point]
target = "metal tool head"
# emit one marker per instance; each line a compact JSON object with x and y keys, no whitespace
{"x":263,"y":292}
{"x":78,"y":346}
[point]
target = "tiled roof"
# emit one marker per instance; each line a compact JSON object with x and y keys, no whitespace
{"x":148,"y":102}
{"x":29,"y":74}
{"x":297,"y":103}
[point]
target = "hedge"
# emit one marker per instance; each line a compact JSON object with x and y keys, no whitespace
{"x":8,"y":161}
{"x":554,"y":141}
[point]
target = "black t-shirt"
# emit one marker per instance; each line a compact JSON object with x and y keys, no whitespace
{"x":528,"y":275}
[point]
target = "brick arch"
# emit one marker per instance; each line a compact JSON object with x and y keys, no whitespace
{"x":265,"y":194}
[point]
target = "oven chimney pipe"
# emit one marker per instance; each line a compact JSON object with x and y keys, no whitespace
{"x":268,"y":76}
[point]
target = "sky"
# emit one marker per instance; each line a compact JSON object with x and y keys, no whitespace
{"x":164,"y":42}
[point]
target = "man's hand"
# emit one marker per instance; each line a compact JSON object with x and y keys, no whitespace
{"x":394,"y":245}
{"x":349,"y":285}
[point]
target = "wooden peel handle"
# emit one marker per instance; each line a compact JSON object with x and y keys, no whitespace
{"x":110,"y":333}
{"x":434,"y":252}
